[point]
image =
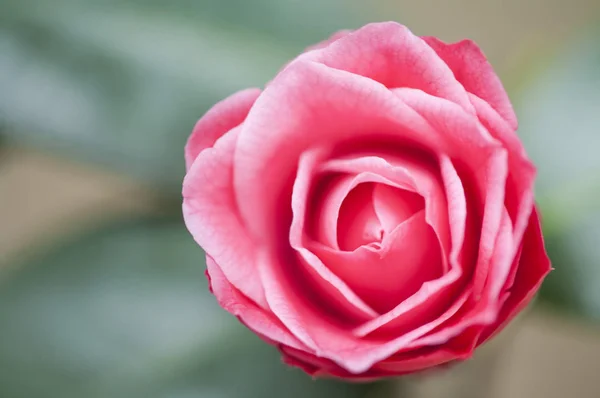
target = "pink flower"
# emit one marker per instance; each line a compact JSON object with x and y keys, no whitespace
{"x":371,"y":211}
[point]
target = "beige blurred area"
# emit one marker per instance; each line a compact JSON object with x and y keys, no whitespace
{"x":512,"y":33}
{"x":44,"y":199}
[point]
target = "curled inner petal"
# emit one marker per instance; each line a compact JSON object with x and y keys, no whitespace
{"x":385,"y":276}
{"x":371,"y":211}
{"x":358,"y":224}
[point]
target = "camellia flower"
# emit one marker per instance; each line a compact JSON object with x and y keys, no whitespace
{"x":371,"y":211}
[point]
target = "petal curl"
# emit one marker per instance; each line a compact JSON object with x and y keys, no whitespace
{"x":211,"y":215}
{"x":221,"y":118}
{"x":396,"y":58}
{"x":255,"y":318}
{"x":533,"y":267}
{"x":328,"y":282}
{"x":472,"y":69}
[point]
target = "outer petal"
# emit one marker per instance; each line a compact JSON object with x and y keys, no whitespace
{"x":258,"y":320}
{"x":211,"y":215}
{"x":519,"y":187}
{"x":483,"y":311}
{"x":475,"y":73}
{"x":533,"y":267}
{"x":396,"y":58}
{"x":322,"y":367}
{"x":221,"y":118}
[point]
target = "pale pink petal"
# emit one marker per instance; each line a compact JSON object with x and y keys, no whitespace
{"x":331,"y":194}
{"x":257,"y":319}
{"x":447,"y":118}
{"x":373,"y":164}
{"x":519,"y":187}
{"x":392,"y":55}
{"x":342,"y":182}
{"x":333,"y":190}
{"x":328,"y":283}
{"x":474,"y":72}
{"x":384,"y":278}
{"x":212,"y":217}
{"x":393,"y":206}
{"x":358,"y":224}
{"x":495,"y":176}
{"x":221,"y":118}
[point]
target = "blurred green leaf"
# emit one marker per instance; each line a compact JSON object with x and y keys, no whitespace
{"x":126,"y":312}
{"x":123,"y":82}
{"x":559,"y":117}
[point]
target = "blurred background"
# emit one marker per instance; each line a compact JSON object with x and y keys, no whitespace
{"x":102,"y":292}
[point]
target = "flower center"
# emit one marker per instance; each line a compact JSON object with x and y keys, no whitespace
{"x":371,"y":211}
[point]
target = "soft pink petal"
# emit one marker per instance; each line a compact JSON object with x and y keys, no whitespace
{"x":328,"y":282}
{"x":221,"y":118}
{"x":333,"y":190}
{"x":519,"y":187}
{"x":495,"y":176}
{"x":384,"y":280}
{"x":485,"y":309}
{"x":358,"y":224}
{"x":449,"y":119}
{"x":376,"y":164}
{"x":533,"y":267}
{"x":334,"y":187}
{"x":393,"y":206}
{"x":257,"y":319}
{"x":395,"y":58}
{"x":212,"y":217}
{"x":474,"y":72}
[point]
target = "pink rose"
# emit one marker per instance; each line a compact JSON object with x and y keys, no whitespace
{"x":371,"y":211}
